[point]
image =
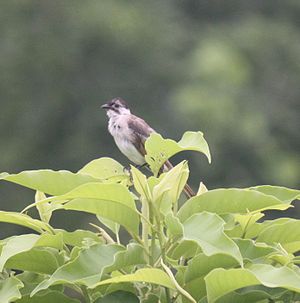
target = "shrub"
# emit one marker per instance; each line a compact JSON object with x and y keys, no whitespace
{"x":214,"y":247}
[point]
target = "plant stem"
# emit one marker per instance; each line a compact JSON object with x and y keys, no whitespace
{"x":163,"y":253}
{"x":152,"y":237}
{"x":145,"y":226}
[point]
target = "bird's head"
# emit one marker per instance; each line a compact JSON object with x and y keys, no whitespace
{"x":116,"y":106}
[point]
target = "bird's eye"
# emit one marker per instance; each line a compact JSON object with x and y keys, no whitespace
{"x":117,"y":105}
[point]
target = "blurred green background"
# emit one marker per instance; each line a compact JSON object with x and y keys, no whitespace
{"x":228,"y":68}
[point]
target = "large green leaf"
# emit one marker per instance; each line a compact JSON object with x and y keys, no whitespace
{"x":111,"y":201}
{"x":125,"y":260}
{"x":287,"y":234}
{"x":49,"y":297}
{"x":220,"y":282}
{"x":199,"y":266}
{"x":23,"y":243}
{"x":282,"y":193}
{"x":86,"y":269}
{"x":39,"y":260}
{"x":232,"y":200}
{"x":48,"y":181}
{"x":159,"y":149}
{"x":207,"y":230}
{"x":100,"y":191}
{"x":147,"y":275}
{"x":109,"y":209}
{"x":104,"y":168}
{"x":24,"y":220}
{"x":9,"y":289}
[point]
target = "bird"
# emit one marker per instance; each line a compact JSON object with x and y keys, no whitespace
{"x":130,"y":133}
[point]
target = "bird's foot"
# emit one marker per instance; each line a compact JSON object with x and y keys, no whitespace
{"x":126,"y":170}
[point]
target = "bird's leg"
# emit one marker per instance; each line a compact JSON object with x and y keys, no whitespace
{"x":141,"y":166}
{"x":126,"y":170}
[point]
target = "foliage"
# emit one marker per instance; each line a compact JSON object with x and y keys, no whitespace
{"x":215,"y":247}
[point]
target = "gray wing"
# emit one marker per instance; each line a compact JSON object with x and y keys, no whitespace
{"x":140,"y":131}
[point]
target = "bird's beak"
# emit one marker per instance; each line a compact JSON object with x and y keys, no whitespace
{"x":105,"y":106}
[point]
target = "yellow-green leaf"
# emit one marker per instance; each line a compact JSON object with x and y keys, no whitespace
{"x":9,"y":290}
{"x":207,"y":230}
{"x":48,"y":181}
{"x":147,"y":275}
{"x":159,"y":149}
{"x":231,"y":200}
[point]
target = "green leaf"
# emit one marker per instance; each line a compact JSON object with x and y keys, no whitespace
{"x":78,"y":237}
{"x":24,"y":220}
{"x":86,"y":269}
{"x":9,"y":289}
{"x":111,"y":201}
{"x":184,"y":249}
{"x":281,"y":193}
{"x":119,"y":297}
{"x":173,"y":224}
{"x":168,"y":190}
{"x":30,"y":281}
{"x":255,"y":229}
{"x":159,"y":149}
{"x":202,"y":189}
{"x":16,"y":245}
{"x":49,"y":297}
{"x":220,"y":282}
{"x":140,"y":183}
{"x":103,"y":168}
{"x":287,"y":234}
{"x":49,"y":240}
{"x":110,"y":288}
{"x":99,"y":191}
{"x":147,"y":275}
{"x":22,"y":243}
{"x":133,"y":255}
{"x":232,"y":200}
{"x":199,"y":266}
{"x":39,"y":260}
{"x":207,"y":230}
{"x":252,"y":251}
{"x":256,"y":293}
{"x":48,"y":181}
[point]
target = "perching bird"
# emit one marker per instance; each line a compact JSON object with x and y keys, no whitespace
{"x":130,"y":133}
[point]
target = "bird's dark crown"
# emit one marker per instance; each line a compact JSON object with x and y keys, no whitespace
{"x":117,"y":102}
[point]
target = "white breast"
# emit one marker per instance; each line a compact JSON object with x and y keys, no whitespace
{"x":118,"y":128}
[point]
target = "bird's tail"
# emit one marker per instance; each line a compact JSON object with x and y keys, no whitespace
{"x":187,"y":189}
